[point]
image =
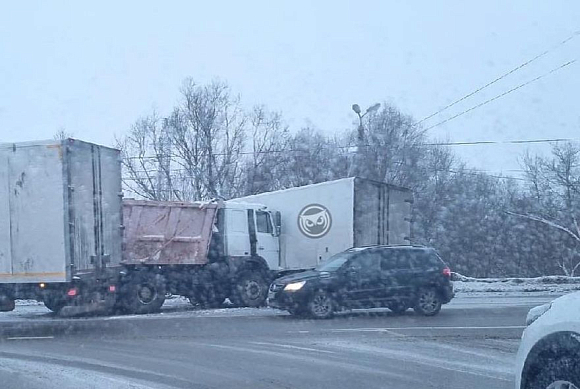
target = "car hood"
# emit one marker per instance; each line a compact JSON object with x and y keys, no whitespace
{"x":302,"y":276}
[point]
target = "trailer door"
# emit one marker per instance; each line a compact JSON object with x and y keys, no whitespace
{"x":5,"y":242}
{"x":32,"y":214}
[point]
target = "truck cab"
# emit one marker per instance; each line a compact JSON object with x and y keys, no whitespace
{"x":250,"y":230}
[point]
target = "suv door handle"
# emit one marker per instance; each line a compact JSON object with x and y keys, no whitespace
{"x":261,"y":248}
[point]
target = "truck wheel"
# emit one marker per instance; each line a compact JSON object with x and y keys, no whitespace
{"x":428,"y":302}
{"x":250,"y":290}
{"x":144,"y":292}
{"x":7,"y":303}
{"x":321,"y":306}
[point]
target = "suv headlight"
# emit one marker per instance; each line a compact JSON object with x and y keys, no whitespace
{"x":293,"y":287}
{"x":535,"y":313}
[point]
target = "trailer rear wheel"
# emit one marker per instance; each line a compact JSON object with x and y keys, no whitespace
{"x":144,"y":292}
{"x":7,"y":303}
{"x":250,"y":290}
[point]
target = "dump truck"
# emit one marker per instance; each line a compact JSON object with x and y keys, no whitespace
{"x":69,"y":239}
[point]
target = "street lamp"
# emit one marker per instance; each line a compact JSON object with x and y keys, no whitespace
{"x":359,"y":158}
{"x":357,"y":110}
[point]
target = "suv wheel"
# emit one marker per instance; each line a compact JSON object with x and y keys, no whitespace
{"x":321,"y":306}
{"x":428,"y":302}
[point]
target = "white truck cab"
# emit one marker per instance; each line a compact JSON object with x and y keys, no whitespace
{"x":251,"y":230}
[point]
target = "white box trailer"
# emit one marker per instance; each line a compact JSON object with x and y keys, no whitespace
{"x":320,"y":220}
{"x":60,"y":211}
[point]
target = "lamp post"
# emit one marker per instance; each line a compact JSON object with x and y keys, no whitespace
{"x":361,"y":134}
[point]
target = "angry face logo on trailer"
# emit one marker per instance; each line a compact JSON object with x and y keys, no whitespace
{"x":314,"y":221}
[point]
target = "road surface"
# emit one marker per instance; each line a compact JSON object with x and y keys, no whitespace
{"x":470,"y":344}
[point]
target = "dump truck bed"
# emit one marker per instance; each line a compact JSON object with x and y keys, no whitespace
{"x":167,"y":233}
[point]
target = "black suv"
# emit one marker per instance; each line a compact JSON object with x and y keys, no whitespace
{"x":396,"y":277}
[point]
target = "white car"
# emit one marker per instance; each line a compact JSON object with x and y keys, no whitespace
{"x":549,"y":354}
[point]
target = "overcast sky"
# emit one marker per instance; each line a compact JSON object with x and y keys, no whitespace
{"x":93,"y":70}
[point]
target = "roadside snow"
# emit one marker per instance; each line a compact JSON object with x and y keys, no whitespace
{"x":40,"y":375}
{"x":546,"y":284}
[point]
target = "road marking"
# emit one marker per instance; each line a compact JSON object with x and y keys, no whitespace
{"x":30,"y":337}
{"x":292,"y":347}
{"x":390,"y":329}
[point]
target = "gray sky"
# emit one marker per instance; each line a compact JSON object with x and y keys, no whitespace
{"x":93,"y":70}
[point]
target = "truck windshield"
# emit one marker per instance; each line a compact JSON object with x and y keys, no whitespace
{"x":334,"y":263}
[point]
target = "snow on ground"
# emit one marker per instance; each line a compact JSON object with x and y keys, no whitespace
{"x":37,"y":375}
{"x":545,"y":284}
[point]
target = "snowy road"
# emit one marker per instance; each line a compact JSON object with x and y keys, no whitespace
{"x":470,"y":344}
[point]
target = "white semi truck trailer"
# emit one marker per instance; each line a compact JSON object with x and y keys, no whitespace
{"x":69,"y":239}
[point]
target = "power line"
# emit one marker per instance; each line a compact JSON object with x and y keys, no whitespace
{"x":501,"y":95}
{"x":460,"y":143}
{"x":497,"y":142}
{"x":500,"y":77}
{"x":454,"y":171}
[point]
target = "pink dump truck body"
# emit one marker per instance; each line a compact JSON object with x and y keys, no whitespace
{"x":167,"y":233}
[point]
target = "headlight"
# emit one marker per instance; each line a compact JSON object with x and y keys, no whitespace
{"x":294,"y":286}
{"x":535,"y":313}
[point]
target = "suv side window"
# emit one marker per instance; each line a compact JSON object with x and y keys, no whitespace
{"x":365,"y":262}
{"x":395,"y":259}
{"x":423,"y":259}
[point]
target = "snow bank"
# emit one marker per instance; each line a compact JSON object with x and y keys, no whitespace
{"x":549,"y":284}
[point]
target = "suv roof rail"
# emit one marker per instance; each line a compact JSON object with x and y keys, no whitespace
{"x":389,"y":246}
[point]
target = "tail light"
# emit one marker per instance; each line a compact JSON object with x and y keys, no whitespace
{"x":72,"y":292}
{"x":447,"y":272}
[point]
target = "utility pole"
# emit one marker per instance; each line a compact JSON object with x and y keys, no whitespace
{"x":361,"y":146}
{"x":164,"y":163}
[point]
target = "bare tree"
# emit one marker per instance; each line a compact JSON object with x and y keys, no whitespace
{"x":194,"y":154}
{"x":62,"y":134}
{"x":555,"y":187}
{"x":393,"y":146}
{"x":208,"y":134}
{"x":147,"y":172}
{"x":270,"y":140}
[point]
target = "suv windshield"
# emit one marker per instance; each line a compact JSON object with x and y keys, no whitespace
{"x":335,"y":262}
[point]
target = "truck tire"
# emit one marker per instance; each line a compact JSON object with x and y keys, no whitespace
{"x":7,"y":303}
{"x":250,"y":290}
{"x":143,"y":292}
